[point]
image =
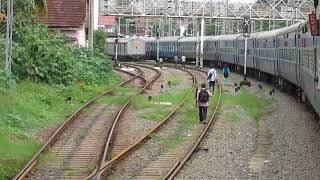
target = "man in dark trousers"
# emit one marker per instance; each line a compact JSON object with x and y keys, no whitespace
{"x":202,"y":100}
{"x":212,"y":76}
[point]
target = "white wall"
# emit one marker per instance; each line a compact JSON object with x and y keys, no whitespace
{"x":96,"y":14}
{"x":81,"y":36}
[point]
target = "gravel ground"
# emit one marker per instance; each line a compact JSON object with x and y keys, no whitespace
{"x":293,"y":154}
{"x":229,"y":145}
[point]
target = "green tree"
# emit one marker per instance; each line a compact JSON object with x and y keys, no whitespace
{"x":210,"y":30}
{"x":99,"y":41}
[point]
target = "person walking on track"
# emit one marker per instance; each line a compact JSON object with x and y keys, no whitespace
{"x":183,"y":59}
{"x":226,"y":72}
{"x":202,"y":100}
{"x":212,"y":76}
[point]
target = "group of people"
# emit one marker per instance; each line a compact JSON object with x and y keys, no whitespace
{"x":203,"y":94}
{"x":176,"y":60}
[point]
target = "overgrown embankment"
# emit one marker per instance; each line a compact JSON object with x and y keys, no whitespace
{"x":50,"y":79}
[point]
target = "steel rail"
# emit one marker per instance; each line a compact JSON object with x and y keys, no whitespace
{"x":26,"y":169}
{"x":175,"y":170}
{"x":105,"y":165}
{"x":96,"y":174}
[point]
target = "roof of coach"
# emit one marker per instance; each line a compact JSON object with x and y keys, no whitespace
{"x":288,"y":29}
{"x":120,"y":40}
{"x":267,"y":34}
{"x":303,"y":23}
{"x":223,"y":37}
{"x":252,"y":36}
{"x":188,"y":39}
{"x":170,"y":39}
{"x":213,"y":38}
{"x":274,"y":33}
{"x":148,"y":39}
{"x":229,"y":37}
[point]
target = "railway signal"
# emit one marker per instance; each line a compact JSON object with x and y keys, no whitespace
{"x":246,"y":34}
{"x":116,"y":41}
{"x":246,"y":26}
{"x":158,"y":42}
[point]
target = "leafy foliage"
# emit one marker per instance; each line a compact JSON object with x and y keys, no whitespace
{"x":100,"y":41}
{"x":2,"y":81}
{"x":42,"y":56}
{"x":48,"y":69}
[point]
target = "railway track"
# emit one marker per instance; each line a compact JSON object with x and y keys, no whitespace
{"x":179,"y":164}
{"x":167,"y":165}
{"x":169,"y":161}
{"x":76,"y":148}
{"x":123,"y":147}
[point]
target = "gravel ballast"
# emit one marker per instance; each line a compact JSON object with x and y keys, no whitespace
{"x":293,"y":154}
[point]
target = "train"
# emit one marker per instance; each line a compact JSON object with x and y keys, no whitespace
{"x":287,"y":56}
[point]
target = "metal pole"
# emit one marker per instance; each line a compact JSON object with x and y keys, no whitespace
{"x":146,"y":28}
{"x":273,"y":16}
{"x":158,"y":49}
{"x":91,"y":26}
{"x":116,"y":55}
{"x":119,"y":26}
{"x":9,"y":40}
{"x":245,"y":58}
{"x":197,"y":50}
{"x":201,"y":44}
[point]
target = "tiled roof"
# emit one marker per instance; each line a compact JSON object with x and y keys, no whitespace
{"x":65,"y":13}
{"x":107,"y":20}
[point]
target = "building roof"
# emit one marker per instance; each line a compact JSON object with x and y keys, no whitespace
{"x":107,"y":20}
{"x":65,"y":13}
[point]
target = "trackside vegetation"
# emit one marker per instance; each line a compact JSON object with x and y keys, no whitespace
{"x":255,"y":106}
{"x":47,"y":69}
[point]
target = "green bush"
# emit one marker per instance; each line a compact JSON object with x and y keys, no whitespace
{"x":99,"y":40}
{"x":2,"y":81}
{"x":43,"y":56}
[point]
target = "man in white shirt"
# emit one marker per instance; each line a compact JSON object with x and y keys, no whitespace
{"x":183,"y":59}
{"x":212,"y":75}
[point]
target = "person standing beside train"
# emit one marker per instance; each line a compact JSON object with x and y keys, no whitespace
{"x":212,"y":76}
{"x":226,"y":72}
{"x":183,"y":60}
{"x":175,"y":58}
{"x":160,"y":62}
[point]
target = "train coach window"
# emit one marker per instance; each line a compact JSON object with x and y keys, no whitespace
{"x":305,"y":29}
{"x":286,"y":35}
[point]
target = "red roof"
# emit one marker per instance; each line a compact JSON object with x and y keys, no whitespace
{"x":65,"y":13}
{"x":107,"y":20}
